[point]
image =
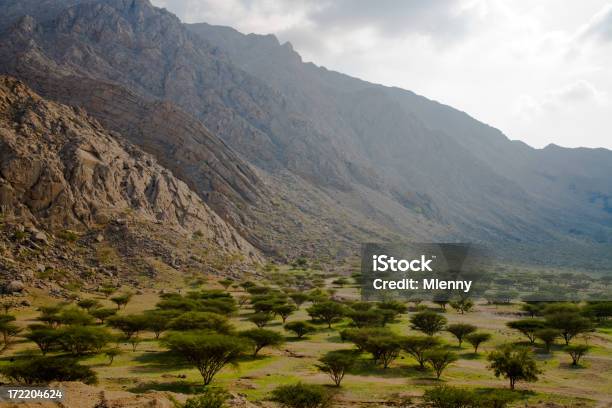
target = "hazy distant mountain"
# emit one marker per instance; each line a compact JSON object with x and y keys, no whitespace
{"x":322,"y":160}
{"x":465,"y":166}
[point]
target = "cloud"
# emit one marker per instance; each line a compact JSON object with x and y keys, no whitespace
{"x":447,"y":19}
{"x":562,"y":98}
{"x":599,"y":26}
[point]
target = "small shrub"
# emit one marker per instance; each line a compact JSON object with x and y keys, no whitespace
{"x":210,"y":398}
{"x":302,"y":396}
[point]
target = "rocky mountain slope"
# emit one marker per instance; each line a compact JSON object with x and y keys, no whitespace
{"x":63,"y":176}
{"x":469,"y":171}
{"x":321,"y":159}
{"x":67,"y":59}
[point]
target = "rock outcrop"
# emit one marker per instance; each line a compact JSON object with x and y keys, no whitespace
{"x":60,"y":168}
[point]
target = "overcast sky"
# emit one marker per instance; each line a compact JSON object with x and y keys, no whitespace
{"x":538,"y":70}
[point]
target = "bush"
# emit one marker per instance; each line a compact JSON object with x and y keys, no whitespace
{"x":450,"y":397}
{"x":302,"y":396}
{"x":210,"y":398}
{"x":453,"y":397}
{"x":43,"y":370}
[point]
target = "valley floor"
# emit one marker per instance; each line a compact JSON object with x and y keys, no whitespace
{"x":151,"y":373}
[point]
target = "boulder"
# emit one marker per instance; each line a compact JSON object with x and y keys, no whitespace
{"x":14,"y":286}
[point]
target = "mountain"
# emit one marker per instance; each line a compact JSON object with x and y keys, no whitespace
{"x":62,"y":174}
{"x":79,"y":58}
{"x":300,"y":159}
{"x":474,"y":174}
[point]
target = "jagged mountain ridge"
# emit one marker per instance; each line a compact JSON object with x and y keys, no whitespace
{"x":61,"y":169}
{"x":390,"y":158}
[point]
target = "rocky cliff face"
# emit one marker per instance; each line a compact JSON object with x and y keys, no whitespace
{"x":59,"y":168}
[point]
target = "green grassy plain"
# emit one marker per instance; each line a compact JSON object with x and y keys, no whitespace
{"x":151,"y":367}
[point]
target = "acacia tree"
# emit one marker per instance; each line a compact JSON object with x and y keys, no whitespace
{"x":462,"y":305}
{"x":209,"y":353}
{"x":299,"y":298}
{"x":158,"y":321}
{"x":44,"y":336}
{"x":384,"y":348}
{"x":576,"y":351}
{"x":439,"y":359}
{"x":548,"y":337}
{"x":130,"y":325}
{"x":8,"y":330}
{"x":103,"y":313}
{"x":418,"y":346}
{"x":475,"y":339}
{"x":200,"y":321}
{"x":80,"y":340}
{"x":428,"y":322}
{"x":226,"y":283}
{"x":336,"y":364}
{"x":460,"y":330}
{"x":569,"y":324}
{"x":262,"y":338}
{"x":284,"y":311}
{"x":528,"y":327}
{"x":121,"y":300}
{"x":326,"y":311}
{"x":300,"y":328}
{"x":88,"y":304}
{"x":260,"y":319}
{"x":514,"y":363}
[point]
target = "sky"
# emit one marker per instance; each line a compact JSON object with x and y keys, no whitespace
{"x":539,"y":70}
